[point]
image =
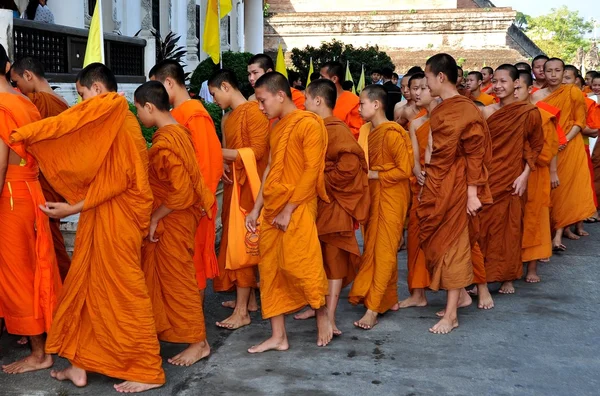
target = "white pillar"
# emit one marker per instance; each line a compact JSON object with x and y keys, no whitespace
{"x":254,"y":29}
{"x":191,"y":42}
{"x":133,"y":23}
{"x":6,"y":32}
{"x":68,"y":12}
{"x":241,"y":36}
{"x":150,"y":50}
{"x":117,"y":16}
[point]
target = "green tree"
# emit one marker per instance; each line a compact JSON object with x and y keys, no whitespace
{"x":560,"y":33}
{"x":234,"y":61}
{"x":522,"y":20}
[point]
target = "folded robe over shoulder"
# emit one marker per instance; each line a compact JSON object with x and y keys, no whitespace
{"x":390,"y":153}
{"x":168,"y":264}
{"x":291,"y":268}
{"x":346,"y":109}
{"x":104,"y":321}
{"x":347,"y":185}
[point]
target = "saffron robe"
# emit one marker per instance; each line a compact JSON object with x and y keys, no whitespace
{"x":346,"y":109}
{"x":298,"y":98}
{"x":484,"y":98}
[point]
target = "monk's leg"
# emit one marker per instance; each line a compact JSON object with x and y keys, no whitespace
{"x":507,"y":288}
{"x":532,"y":276}
{"x":252,"y":303}
{"x":450,"y":320}
{"x":240,"y":316}
{"x":193,"y":353}
{"x":335,"y":288}
{"x":417,"y":299}
{"x":485,"y":300}
{"x":76,"y":375}
{"x":368,"y":321}
{"x":579,"y":231}
{"x":557,"y":244}
{"x":37,"y":360}
{"x":464,"y":300}
{"x":324,"y":327}
{"x":278,"y":340}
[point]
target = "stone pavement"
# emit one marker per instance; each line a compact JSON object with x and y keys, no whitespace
{"x":541,"y":341}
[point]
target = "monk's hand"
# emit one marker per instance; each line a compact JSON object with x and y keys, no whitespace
{"x":282,"y":220}
{"x":473,"y":205}
{"x":520,"y":185}
{"x":554,"y":181}
{"x":152,"y":230}
{"x":421,"y":178}
{"x":58,"y":210}
{"x":226,"y":170}
{"x":252,"y":221}
{"x":562,"y":146}
{"x":373,"y":175}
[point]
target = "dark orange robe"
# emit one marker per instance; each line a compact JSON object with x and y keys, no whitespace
{"x":422,"y":112}
{"x":347,"y":185}
{"x":291,"y":268}
{"x":168,"y":264}
{"x":104,"y":321}
{"x":195,"y":118}
{"x":390,"y":153}
{"x":246,"y":126}
{"x":298,"y":98}
{"x":51,"y":105}
{"x":29,"y":276}
{"x":460,"y":157}
{"x":346,"y":109}
{"x":593,"y":122}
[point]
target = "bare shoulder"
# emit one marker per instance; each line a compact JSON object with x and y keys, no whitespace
{"x":252,"y":98}
{"x":489,"y":110}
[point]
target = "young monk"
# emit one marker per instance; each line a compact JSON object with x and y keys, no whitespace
{"x":404,"y":112}
{"x":487,"y":86}
{"x":104,"y":321}
{"x":192,"y":115}
{"x":260,"y":64}
{"x":180,"y":199}
{"x":589,"y":75}
{"x":29,"y":277}
{"x":537,"y":66}
{"x":291,"y":267}
{"x":29,"y":75}
{"x":390,"y":160}
{"x":414,"y":83}
{"x":460,"y":81}
{"x":346,"y":105}
{"x":572,"y":200}
{"x":517,"y":140}
{"x":347,"y":184}
{"x":474,"y":86}
{"x":537,"y":238}
{"x":244,"y":127}
{"x":523,"y":66}
{"x":455,"y":186}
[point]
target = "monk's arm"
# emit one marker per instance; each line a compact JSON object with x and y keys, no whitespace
{"x":4,"y":150}
{"x":313,"y":149}
{"x":161,"y":212}
{"x":589,"y":132}
{"x":343,"y":172}
{"x":403,"y":160}
{"x":579,"y":113}
{"x":415,"y":144}
{"x":230,"y":155}
{"x":554,"y":181}
{"x":474,"y":145}
{"x":535,"y":139}
{"x":429,"y":148}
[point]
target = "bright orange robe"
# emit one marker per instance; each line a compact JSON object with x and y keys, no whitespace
{"x":390,"y":153}
{"x":291,"y":268}
{"x":460,"y":157}
{"x":587,"y":90}
{"x":195,"y":118}
{"x":346,"y":109}
{"x":298,"y":98}
{"x":29,"y":277}
{"x":572,"y":200}
{"x":246,"y":126}
{"x":168,"y":264}
{"x":104,"y":321}
{"x":347,"y":185}
{"x":484,"y":98}
{"x":537,"y":239}
{"x":51,"y":105}
{"x":592,"y":121}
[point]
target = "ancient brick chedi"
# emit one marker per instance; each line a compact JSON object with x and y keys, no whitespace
{"x":410,"y":31}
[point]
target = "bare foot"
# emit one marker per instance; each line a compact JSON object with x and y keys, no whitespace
{"x":309,"y":313}
{"x":252,"y":304}
{"x":191,"y":354}
{"x":324,"y":328}
{"x":235,"y":321}
{"x":532,"y":278}
{"x":134,"y":387}
{"x":581,"y":232}
{"x":485,"y":300}
{"x":368,"y":321}
{"x":567,"y":233}
{"x":473,"y":291}
{"x":412,"y":301}
{"x":29,"y":363}
{"x":272,"y":344}
{"x":336,"y":331}
{"x":23,"y":341}
{"x":444,"y":326}
{"x":544,"y":260}
{"x":74,"y":374}
{"x":464,"y":300}
{"x":507,"y":288}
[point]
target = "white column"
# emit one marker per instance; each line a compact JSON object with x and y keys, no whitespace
{"x":117,"y":16}
{"x":191,"y":42}
{"x":133,"y":22}
{"x":203,"y":6}
{"x":150,"y":50}
{"x":68,"y":12}
{"x":6,"y":32}
{"x":241,"y":37}
{"x":254,"y":26}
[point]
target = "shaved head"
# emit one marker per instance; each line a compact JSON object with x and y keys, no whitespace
{"x":274,"y":82}
{"x":376,"y":92}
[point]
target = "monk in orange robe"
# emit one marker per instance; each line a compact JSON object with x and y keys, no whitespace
{"x":589,"y":76}
{"x":347,"y":187}
{"x":29,"y":75}
{"x":104,"y":321}
{"x":517,"y":140}
{"x":390,"y":160}
{"x":29,"y":278}
{"x":537,"y":238}
{"x":245,"y":127}
{"x":260,"y":64}
{"x":537,"y":67}
{"x":487,"y":86}
{"x":192,"y":115}
{"x":408,"y":111}
{"x":291,"y":267}
{"x":456,"y":179}
{"x":180,"y":199}
{"x":475,"y":89}
{"x":346,"y":105}
{"x":572,"y":200}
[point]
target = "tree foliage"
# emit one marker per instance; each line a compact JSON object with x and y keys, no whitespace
{"x":370,"y":56}
{"x":234,"y":61}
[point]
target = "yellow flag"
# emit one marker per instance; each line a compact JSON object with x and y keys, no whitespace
{"x":211,"y":39}
{"x":280,"y":64}
{"x":361,"y":81}
{"x":94,"y":50}
{"x":311,"y":70}
{"x":349,"y":76}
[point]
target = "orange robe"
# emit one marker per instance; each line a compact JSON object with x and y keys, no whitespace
{"x":298,"y":98}
{"x":484,"y":98}
{"x":587,"y":90}
{"x":422,"y":112}
{"x":347,"y":186}
{"x":390,"y":153}
{"x":460,"y":157}
{"x":168,"y":264}
{"x":346,"y":109}
{"x":537,"y":239}
{"x":517,"y":139}
{"x":104,"y":321}
{"x":192,"y":115}
{"x":51,"y":105}
{"x":246,"y":126}
{"x":592,"y":121}
{"x":291,"y":268}
{"x":29,"y":277}
{"x":572,"y":200}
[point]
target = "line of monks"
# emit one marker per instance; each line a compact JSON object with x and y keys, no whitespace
{"x":479,"y":188}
